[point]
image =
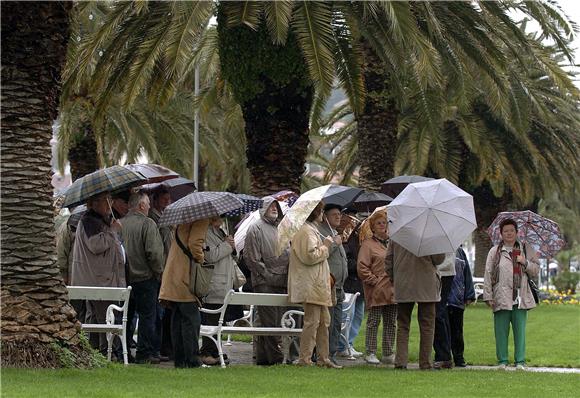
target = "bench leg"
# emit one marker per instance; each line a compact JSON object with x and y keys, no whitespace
{"x":220,"y":349}
{"x":109,"y":346}
{"x":125,"y":350}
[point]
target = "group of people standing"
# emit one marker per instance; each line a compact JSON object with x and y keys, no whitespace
{"x":118,"y":242}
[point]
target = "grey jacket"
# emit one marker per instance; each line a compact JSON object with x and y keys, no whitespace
{"x":260,"y":250}
{"x":165,"y":232}
{"x":219,"y":254}
{"x":97,"y":255}
{"x":144,"y":247}
{"x":336,"y":258}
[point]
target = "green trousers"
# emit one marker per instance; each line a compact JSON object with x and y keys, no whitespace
{"x":501,"y":323}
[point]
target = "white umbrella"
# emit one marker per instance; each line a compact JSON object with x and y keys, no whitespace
{"x":240,"y":235}
{"x":431,"y":217}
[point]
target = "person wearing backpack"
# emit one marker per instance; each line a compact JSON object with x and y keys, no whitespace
{"x":177,"y":293}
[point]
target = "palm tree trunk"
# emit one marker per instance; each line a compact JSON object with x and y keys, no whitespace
{"x":271,"y":84}
{"x":376,"y":126}
{"x":83,"y":155}
{"x":482,"y":246}
{"x":35,"y":309}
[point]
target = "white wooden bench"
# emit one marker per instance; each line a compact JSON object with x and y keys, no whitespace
{"x":117,"y":294}
{"x":287,"y":323}
{"x":478,"y":287}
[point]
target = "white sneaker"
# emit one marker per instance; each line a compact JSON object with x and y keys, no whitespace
{"x":345,"y":354}
{"x":355,"y":353}
{"x":502,"y":366}
{"x":520,"y":366}
{"x":372,"y":359}
{"x":388,"y":360}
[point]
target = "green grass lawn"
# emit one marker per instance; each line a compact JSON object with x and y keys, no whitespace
{"x":553,"y":340}
{"x":553,"y":336}
{"x":282,"y":381}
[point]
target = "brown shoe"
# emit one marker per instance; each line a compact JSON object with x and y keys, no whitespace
{"x":442,"y":365}
{"x":209,"y":360}
{"x":328,"y":364}
{"x":304,"y":364}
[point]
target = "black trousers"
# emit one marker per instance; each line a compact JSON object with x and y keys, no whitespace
{"x":185,"y":326}
{"x":442,"y":340}
{"x":335,"y":324}
{"x":456,"y":323}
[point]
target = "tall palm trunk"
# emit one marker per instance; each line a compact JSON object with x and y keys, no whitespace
{"x":271,"y":84}
{"x":83,"y":155}
{"x":376,"y":126}
{"x":35,"y":309}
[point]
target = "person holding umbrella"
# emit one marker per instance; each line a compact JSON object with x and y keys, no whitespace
{"x":309,"y":283}
{"x":507,"y":292}
{"x":98,"y":259}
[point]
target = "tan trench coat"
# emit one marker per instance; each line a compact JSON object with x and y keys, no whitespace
{"x":501,"y":293}
{"x":309,"y":273}
{"x":416,"y":278}
{"x":175,"y":280}
{"x":371,"y":270}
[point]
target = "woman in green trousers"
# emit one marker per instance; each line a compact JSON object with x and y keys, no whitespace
{"x":507,"y":292}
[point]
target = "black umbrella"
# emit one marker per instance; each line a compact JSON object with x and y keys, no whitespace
{"x":177,"y":187}
{"x":395,"y":185}
{"x":369,"y":201}
{"x":341,"y":195}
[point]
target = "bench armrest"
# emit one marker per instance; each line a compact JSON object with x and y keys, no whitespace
{"x":111,"y":315}
{"x":288,"y":321}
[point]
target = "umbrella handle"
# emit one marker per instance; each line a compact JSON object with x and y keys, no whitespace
{"x":329,"y":227}
{"x":111,"y":208}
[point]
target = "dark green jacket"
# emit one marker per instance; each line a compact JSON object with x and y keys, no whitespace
{"x":143,"y":246}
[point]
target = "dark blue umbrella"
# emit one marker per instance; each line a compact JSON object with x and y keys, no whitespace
{"x":251,"y":203}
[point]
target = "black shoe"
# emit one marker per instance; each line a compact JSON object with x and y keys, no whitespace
{"x":460,"y":365}
{"x":442,"y":365}
{"x":163,"y":358}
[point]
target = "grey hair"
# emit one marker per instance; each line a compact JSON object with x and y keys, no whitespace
{"x":135,"y":199}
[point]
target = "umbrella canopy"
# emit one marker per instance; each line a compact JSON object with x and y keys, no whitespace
{"x":199,"y":205}
{"x":369,"y":201}
{"x":153,"y":172}
{"x":341,"y":195}
{"x":431,"y":217}
{"x":178,"y":187}
{"x":114,"y":178}
{"x":288,"y":197}
{"x":540,"y":232}
{"x":395,"y":185}
{"x":296,"y":216}
{"x":244,"y":225}
{"x":251,"y":203}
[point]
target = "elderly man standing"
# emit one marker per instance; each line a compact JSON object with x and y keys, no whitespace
{"x":338,"y":269}
{"x":145,"y":258}
{"x":416,"y":281}
{"x":160,"y":199}
{"x":269,"y":275}
{"x":98,"y":259}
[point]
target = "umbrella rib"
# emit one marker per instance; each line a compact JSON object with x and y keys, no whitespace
{"x":451,"y":214}
{"x":443,"y":229}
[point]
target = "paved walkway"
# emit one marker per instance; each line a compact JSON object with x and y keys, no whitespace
{"x":240,"y":353}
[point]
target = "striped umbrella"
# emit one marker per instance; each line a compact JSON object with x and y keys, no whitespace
{"x":198,"y":206}
{"x":114,"y":178}
{"x":251,"y":203}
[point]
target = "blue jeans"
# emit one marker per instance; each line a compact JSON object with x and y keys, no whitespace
{"x":357,"y":313}
{"x":145,"y":295}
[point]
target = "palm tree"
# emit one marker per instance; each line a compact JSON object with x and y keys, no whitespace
{"x":36,"y":316}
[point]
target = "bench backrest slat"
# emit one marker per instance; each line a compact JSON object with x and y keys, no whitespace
{"x":261,"y":299}
{"x":98,"y":293}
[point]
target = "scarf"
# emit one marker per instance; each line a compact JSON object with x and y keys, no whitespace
{"x":516,"y":268}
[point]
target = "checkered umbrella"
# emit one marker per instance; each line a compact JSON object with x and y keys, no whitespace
{"x":251,"y":203}
{"x":199,"y":205}
{"x":153,"y":172}
{"x":114,"y":178}
{"x":287,"y":196}
{"x":540,"y":232}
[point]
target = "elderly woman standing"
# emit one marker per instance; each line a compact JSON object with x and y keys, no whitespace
{"x":309,"y":284}
{"x":506,"y":291}
{"x":379,"y":292}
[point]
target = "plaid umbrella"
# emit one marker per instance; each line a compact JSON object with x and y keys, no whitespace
{"x":199,"y":205}
{"x":540,"y":232}
{"x":114,"y":178}
{"x":251,"y":203}
{"x":153,"y":172}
